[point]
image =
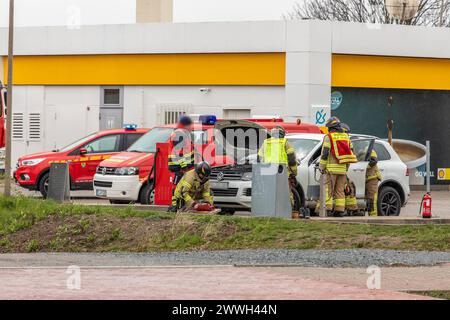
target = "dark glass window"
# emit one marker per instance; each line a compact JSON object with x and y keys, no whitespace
{"x":381,"y":151}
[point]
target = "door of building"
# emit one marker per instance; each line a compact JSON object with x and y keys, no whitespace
{"x":111,"y":108}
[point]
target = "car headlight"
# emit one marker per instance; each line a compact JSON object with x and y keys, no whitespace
{"x":127,"y":171}
{"x":32,"y":162}
{"x":247,"y":176}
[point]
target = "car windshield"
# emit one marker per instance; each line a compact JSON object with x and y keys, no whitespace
{"x":77,"y":143}
{"x":147,"y":143}
{"x":303,"y":147}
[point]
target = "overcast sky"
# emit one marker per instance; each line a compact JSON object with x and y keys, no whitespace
{"x":62,"y":12}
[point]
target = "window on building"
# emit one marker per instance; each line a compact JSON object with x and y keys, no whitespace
{"x":111,"y":96}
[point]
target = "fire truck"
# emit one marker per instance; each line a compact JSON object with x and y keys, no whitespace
{"x":129,"y":176}
{"x":32,"y":171}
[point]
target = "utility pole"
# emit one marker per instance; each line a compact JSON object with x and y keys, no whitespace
{"x":7,"y":191}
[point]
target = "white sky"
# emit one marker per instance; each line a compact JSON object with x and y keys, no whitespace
{"x":60,"y":12}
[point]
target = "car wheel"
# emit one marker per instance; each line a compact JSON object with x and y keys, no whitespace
{"x":389,"y":202}
{"x":43,"y":184}
{"x":147,"y":195}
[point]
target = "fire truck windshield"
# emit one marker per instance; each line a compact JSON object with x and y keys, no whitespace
{"x":147,"y":143}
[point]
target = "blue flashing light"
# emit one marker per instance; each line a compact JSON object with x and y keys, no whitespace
{"x":208,"y":120}
{"x":130,"y":127}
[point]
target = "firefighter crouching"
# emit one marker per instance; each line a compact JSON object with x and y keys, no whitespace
{"x":193,"y":192}
{"x":278,"y":150}
{"x":181,"y":156}
{"x":373,"y":176}
{"x":335,"y":158}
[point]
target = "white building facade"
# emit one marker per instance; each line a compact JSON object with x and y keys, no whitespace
{"x":71,"y":82}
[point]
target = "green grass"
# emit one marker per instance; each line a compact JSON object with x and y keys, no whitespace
{"x":445,"y":295}
{"x":77,"y":230}
{"x":17,"y":213}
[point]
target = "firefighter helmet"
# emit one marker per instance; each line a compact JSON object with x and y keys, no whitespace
{"x":278,"y":132}
{"x":345,"y":127}
{"x":203,"y":169}
{"x":333,"y":123}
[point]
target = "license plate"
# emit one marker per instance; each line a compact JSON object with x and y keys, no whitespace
{"x":100,"y":193}
{"x":219,"y":185}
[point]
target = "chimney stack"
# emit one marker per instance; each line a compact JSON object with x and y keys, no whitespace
{"x":154,"y":11}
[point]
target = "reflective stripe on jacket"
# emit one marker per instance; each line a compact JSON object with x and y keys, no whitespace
{"x":279,"y":151}
{"x":182,"y":154}
{"x":341,"y":147}
{"x":328,"y":160}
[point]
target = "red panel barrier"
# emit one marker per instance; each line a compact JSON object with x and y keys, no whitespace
{"x":164,"y":178}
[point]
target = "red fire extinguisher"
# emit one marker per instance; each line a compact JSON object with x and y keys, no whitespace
{"x":425,"y":206}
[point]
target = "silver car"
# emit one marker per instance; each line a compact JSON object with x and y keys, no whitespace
{"x":232,"y":185}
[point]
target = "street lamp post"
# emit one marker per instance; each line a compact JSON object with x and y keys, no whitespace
{"x":7,"y":191}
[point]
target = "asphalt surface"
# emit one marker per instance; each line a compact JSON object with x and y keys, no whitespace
{"x":303,"y":258}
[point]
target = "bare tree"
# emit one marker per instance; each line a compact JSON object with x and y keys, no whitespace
{"x":431,"y":12}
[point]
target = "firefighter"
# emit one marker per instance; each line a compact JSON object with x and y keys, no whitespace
{"x":278,"y":150}
{"x":335,"y":159}
{"x":373,"y":176}
{"x":181,"y":156}
{"x":194,"y":190}
{"x":351,"y":204}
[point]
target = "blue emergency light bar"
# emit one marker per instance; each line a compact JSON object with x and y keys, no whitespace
{"x":208,"y":120}
{"x":130,"y":126}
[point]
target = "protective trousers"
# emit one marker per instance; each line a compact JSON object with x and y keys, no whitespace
{"x":371,"y":197}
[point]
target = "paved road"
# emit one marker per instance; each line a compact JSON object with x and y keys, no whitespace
{"x":305,"y":258}
{"x":204,"y":283}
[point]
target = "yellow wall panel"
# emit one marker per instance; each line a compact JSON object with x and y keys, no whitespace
{"x":390,"y":72}
{"x":149,"y":69}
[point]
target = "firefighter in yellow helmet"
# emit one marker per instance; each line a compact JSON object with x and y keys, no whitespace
{"x":351,"y":204}
{"x":278,"y":150}
{"x":335,"y":158}
{"x":373,"y":176}
{"x":194,"y":189}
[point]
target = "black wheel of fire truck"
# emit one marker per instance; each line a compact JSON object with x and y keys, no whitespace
{"x":389,"y":202}
{"x":43,"y":184}
{"x":147,"y":194}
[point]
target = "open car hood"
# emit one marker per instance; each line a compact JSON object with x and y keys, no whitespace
{"x":225,"y":124}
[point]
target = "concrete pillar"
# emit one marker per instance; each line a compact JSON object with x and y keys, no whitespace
{"x":308,"y":68}
{"x":154,"y":11}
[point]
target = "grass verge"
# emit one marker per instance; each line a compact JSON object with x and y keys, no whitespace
{"x":445,"y":295}
{"x":33,"y":225}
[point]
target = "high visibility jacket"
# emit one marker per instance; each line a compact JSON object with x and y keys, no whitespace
{"x":341,"y":147}
{"x":181,"y":156}
{"x":191,"y":188}
{"x":279,"y":151}
{"x":373,"y":172}
{"x":328,"y":159}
